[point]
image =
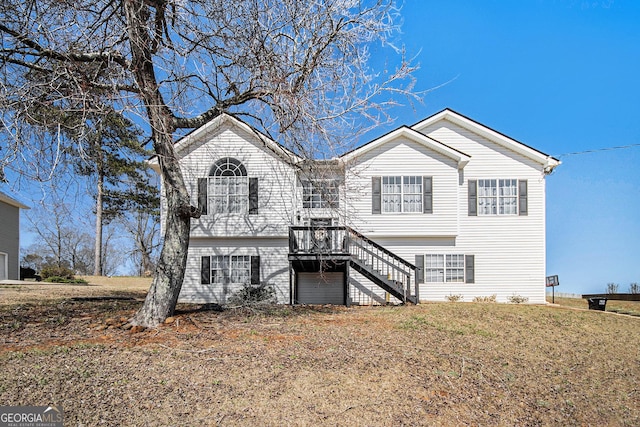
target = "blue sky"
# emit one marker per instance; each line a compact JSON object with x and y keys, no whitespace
{"x":562,"y":76}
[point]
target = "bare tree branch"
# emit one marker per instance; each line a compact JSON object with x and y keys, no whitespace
{"x":300,"y":71}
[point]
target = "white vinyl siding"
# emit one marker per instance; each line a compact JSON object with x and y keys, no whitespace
{"x":509,"y":249}
{"x":274,"y":268}
{"x":416,"y":162}
{"x":276,"y":190}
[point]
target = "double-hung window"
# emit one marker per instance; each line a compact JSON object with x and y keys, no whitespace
{"x":230,"y":269}
{"x":401,"y":194}
{"x":454,"y":268}
{"x":441,"y":268}
{"x":227,"y":269}
{"x":508,"y":197}
{"x":497,"y":197}
{"x":320,"y":194}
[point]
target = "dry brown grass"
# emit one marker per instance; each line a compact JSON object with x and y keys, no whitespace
{"x":433,"y":364}
{"x":632,"y":307}
{"x":28,"y":291}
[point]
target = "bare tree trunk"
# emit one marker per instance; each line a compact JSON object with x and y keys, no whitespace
{"x":97,"y":255}
{"x":303,"y":65}
{"x":163,"y":295}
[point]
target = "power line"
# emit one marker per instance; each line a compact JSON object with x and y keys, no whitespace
{"x":596,"y":150}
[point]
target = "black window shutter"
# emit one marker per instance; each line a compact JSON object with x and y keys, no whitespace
{"x":419,"y":268}
{"x":253,"y":196}
{"x":376,"y":195}
{"x":202,"y":195}
{"x":427,"y":194}
{"x":255,"y":269}
{"x":205,"y":270}
{"x":469,"y":269}
{"x":522,"y":197}
{"x":473,"y":197}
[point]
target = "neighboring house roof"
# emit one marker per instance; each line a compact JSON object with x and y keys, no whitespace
{"x":406,"y":132}
{"x":224,"y":118}
{"x":11,"y":201}
{"x":471,"y":125}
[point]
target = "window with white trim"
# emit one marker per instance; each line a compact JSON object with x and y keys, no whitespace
{"x":226,"y":269}
{"x":401,"y":194}
{"x":508,"y":197}
{"x":454,"y":268}
{"x":441,"y":268}
{"x":323,"y":193}
{"x":497,"y":197}
{"x":228,"y":187}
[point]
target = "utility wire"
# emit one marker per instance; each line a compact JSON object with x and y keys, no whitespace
{"x":596,"y":150}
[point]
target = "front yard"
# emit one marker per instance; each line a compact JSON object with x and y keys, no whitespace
{"x":432,"y":364}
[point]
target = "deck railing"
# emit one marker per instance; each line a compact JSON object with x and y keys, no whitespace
{"x":317,"y":240}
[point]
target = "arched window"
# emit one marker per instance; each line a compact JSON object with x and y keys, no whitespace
{"x":228,"y":186}
{"x":228,"y":167}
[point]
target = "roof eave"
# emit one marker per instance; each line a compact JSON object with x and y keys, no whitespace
{"x":13,"y":202}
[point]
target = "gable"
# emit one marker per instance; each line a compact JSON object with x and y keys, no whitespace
{"x":403,"y":154}
{"x":408,"y":137}
{"x":447,"y":117}
{"x":226,"y":128}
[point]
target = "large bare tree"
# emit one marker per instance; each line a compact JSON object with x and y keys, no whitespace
{"x":299,"y":69}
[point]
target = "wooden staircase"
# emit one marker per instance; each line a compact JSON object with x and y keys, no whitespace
{"x":343,"y":244}
{"x":382,"y":267}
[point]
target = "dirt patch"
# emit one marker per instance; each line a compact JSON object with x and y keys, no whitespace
{"x":433,"y":364}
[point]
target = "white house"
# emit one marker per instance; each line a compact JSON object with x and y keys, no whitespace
{"x":444,"y":207}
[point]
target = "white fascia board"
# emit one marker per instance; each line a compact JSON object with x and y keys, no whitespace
{"x":406,"y":132}
{"x":545,"y":160}
{"x":11,"y":201}
{"x":212,"y":125}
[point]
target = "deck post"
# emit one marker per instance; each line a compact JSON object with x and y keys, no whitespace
{"x":291,"y":273}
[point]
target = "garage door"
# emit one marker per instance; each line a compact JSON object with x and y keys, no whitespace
{"x":321,"y":288}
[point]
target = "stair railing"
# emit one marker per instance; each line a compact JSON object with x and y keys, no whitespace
{"x":389,"y":266}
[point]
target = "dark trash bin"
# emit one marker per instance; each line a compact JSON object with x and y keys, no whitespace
{"x":597,"y":303}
